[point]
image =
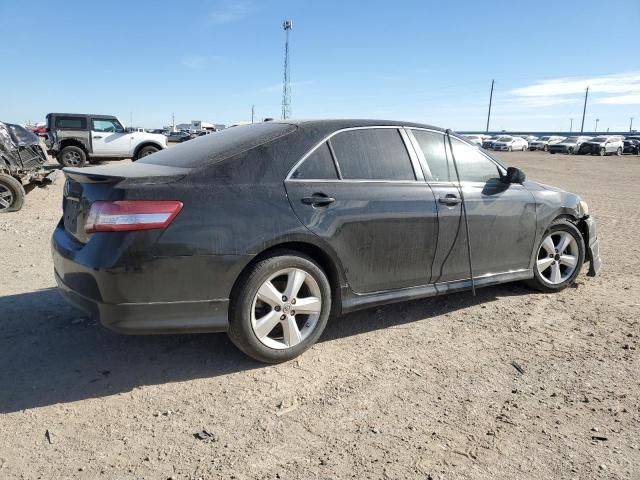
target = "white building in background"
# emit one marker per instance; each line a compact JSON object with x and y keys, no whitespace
{"x":199,"y":125}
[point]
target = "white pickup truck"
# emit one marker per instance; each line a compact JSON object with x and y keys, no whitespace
{"x":75,"y":139}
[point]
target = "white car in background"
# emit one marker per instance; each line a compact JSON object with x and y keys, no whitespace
{"x":509,"y":144}
{"x":543,"y":142}
{"x":475,"y":139}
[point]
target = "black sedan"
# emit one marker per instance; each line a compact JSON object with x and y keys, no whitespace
{"x":264,"y":231}
{"x":631,"y":146}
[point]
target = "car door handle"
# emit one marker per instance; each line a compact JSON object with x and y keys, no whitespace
{"x":97,"y":136}
{"x":449,"y":200}
{"x":318,"y":200}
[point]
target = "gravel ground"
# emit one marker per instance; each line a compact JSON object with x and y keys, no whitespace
{"x":425,"y":389}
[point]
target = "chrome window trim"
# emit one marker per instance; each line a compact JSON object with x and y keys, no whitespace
{"x":413,"y":156}
{"x":421,"y":158}
{"x":332,"y":134}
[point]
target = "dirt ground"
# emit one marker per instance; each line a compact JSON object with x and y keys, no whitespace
{"x":423,"y":390}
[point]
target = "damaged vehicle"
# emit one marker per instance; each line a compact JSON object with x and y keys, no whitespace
{"x":264,"y":231}
{"x":22,"y":160}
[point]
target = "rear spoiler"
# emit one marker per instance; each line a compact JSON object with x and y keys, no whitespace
{"x":137,"y":173}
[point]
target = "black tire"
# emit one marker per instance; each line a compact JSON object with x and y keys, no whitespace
{"x":552,"y":152}
{"x":602,"y":152}
{"x":546,"y":148}
{"x":148,"y":150}
{"x":510,"y":148}
{"x":559,"y":225}
{"x":11,"y":194}
{"x":619,"y":151}
{"x":570,"y":151}
{"x":241,"y":331}
{"x":72,"y":157}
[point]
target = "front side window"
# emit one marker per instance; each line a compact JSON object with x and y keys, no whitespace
{"x":432,"y":145}
{"x":473,"y":166}
{"x":107,"y":125}
{"x":317,"y":166}
{"x":372,"y":154}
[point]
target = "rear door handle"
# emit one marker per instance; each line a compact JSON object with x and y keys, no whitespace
{"x":449,"y":200}
{"x":318,"y":200}
{"x":97,"y":136}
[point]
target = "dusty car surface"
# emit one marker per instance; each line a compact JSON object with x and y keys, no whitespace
{"x":266,"y":230}
{"x":21,"y":163}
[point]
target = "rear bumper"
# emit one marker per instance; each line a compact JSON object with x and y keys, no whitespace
{"x":152,"y":318}
{"x":129,"y":294}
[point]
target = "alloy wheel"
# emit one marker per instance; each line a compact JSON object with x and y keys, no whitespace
{"x":6,"y":197}
{"x":286,"y":308}
{"x":557,"y":257}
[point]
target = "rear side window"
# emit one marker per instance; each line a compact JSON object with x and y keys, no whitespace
{"x":218,"y":146}
{"x":372,"y":154}
{"x":432,"y":145}
{"x":319,"y":165}
{"x":72,"y":123}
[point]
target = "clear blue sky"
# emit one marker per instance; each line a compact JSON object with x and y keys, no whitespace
{"x":414,"y":60}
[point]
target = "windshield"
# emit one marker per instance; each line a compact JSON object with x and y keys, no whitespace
{"x":570,"y":140}
{"x":600,"y":139}
{"x":544,"y":139}
{"x":505,"y":139}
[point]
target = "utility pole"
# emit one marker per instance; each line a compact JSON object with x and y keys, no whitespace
{"x":584,"y":110}
{"x":173,"y":122}
{"x":253,"y":112}
{"x":631,"y":125}
{"x":571,"y":126}
{"x":597,"y":120}
{"x":287,"y":25}
{"x":490,"y":101}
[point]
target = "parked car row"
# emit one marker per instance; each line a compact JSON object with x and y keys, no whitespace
{"x":583,"y":145}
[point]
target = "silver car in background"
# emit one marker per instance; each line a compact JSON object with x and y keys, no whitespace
{"x":543,"y":143}
{"x":569,"y":145}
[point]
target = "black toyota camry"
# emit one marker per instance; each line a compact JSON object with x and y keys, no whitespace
{"x":265,"y":231}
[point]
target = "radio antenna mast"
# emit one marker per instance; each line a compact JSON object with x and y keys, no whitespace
{"x":287,"y":25}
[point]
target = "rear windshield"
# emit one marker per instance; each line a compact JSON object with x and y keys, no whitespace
{"x":217,"y":146}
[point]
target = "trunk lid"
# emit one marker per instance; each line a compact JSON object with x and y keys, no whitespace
{"x":84,"y":186}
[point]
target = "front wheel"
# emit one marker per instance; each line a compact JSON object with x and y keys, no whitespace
{"x":11,"y":194}
{"x":603,"y":152}
{"x":570,"y":151}
{"x":619,"y":151}
{"x":280,"y":307}
{"x":560,"y":257}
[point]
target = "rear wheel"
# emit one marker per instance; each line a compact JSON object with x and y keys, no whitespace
{"x":602,"y":152}
{"x":146,"y":151}
{"x":72,"y":157}
{"x":560,"y":257}
{"x":619,"y":151}
{"x":11,"y":194}
{"x":570,"y":150}
{"x":510,"y":148}
{"x":546,"y":148}
{"x":280,"y":308}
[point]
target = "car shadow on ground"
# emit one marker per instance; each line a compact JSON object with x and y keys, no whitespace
{"x":51,"y":353}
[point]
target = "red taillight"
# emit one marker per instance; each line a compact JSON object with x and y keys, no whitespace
{"x":129,"y":215}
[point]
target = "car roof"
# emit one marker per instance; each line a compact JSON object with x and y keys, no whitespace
{"x":81,"y":115}
{"x":339,"y":124}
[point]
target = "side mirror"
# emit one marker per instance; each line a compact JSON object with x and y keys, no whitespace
{"x":514,"y":175}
